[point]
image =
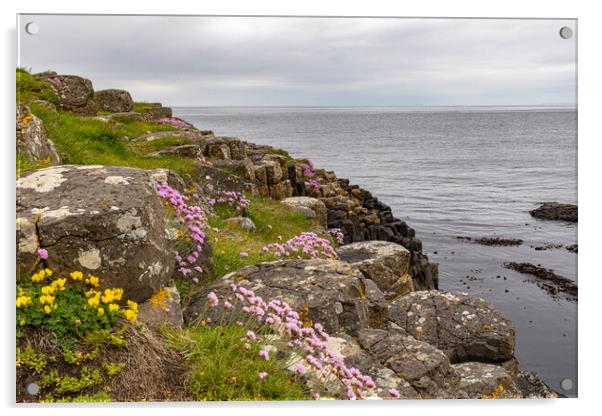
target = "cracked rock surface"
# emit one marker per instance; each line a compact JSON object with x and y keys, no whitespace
{"x":465,"y":328}
{"x":103,"y":220}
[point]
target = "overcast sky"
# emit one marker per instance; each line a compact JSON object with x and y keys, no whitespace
{"x":220,"y":61}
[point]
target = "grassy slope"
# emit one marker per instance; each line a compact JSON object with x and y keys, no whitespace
{"x":219,"y":368}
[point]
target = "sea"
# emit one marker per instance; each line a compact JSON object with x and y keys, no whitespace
{"x":454,"y":172}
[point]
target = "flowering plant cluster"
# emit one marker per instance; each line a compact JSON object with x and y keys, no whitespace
{"x":69,"y":305}
{"x":194,"y":220}
{"x":304,"y":343}
{"x":58,"y":87}
{"x":234,"y":199}
{"x":338,"y":235}
{"x":308,"y":172}
{"x":173,"y":121}
{"x":307,"y":244}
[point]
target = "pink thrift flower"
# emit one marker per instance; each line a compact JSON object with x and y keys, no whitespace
{"x":247,"y":346}
{"x":43,"y":253}
{"x":315,"y":395}
{"x":251,"y":335}
{"x":394,"y":393}
{"x":244,"y":254}
{"x":227,"y":305}
{"x":300,"y":368}
{"x":264,"y":354}
{"x":213,"y":300}
{"x":262,"y":375}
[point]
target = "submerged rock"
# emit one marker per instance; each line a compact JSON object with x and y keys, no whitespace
{"x":547,"y":279}
{"x":102,"y":220}
{"x":465,"y":328}
{"x":386,"y":264}
{"x":556,"y":211}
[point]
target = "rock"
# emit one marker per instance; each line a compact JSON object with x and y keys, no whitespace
{"x":182,"y":134}
{"x":115,"y":101}
{"x":214,"y":181}
{"x":163,"y":309}
{"x":243,"y":168}
{"x":465,"y":328}
{"x":481,"y":379}
{"x":75,"y":93}
{"x":314,"y":204}
{"x":273,"y":172}
{"x":186,"y":150}
{"x":533,"y":387}
{"x":156,"y":111}
{"x":32,"y":142}
{"x":244,"y":223}
{"x":547,"y":279}
{"x":386,"y":264}
{"x":326,"y":291}
{"x":426,"y":368}
{"x":556,"y":211}
{"x":226,"y":148}
{"x":384,"y":378}
{"x":102,"y":220}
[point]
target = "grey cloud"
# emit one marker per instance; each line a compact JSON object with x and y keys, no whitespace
{"x":311,"y":61}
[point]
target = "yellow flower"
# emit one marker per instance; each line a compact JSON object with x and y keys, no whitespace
{"x":130,"y":315}
{"x":94,"y":301}
{"x":23,"y":301}
{"x":113,"y":307}
{"x":92,"y":292}
{"x":108,"y":296}
{"x":77,"y":275}
{"x":39,"y":276}
{"x":59,"y":284}
{"x":118,"y":293}
{"x":48,"y":272}
{"x":101,"y":311}
{"x":47,"y":309}
{"x":93,"y":281}
{"x":48,"y":290}
{"x":133,"y":305}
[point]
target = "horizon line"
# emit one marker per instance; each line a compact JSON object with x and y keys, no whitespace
{"x":381,"y":106}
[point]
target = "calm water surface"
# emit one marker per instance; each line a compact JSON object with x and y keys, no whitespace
{"x":453,"y":172}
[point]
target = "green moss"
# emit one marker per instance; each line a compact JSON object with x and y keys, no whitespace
{"x":222,"y":369}
{"x":140,"y":107}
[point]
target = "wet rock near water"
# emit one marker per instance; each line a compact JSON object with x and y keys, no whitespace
{"x":533,"y":387}
{"x":493,"y":241}
{"x":548,"y":280}
{"x":465,"y":328}
{"x":556,"y":211}
{"x":573,"y":248}
{"x":102,"y":220}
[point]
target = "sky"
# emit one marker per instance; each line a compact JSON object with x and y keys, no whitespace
{"x":266,"y":61}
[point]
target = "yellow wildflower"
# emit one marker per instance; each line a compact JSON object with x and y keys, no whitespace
{"x":130,"y":315}
{"x":47,"y":309}
{"x":101,"y":311}
{"x":23,"y":301}
{"x":133,"y":305}
{"x":39,"y":276}
{"x":48,"y":290}
{"x":113,"y":307}
{"x":94,"y":301}
{"x":92,"y":292}
{"x":93,"y":281}
{"x":108,"y":296}
{"x":59,"y":284}
{"x":77,"y":275}
{"x":48,"y":272}
{"x":117,"y":293}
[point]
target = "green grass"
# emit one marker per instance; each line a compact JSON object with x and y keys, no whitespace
{"x":29,"y":89}
{"x":231,"y":240}
{"x":89,"y":141}
{"x":140,"y":107}
{"x":221,"y":369}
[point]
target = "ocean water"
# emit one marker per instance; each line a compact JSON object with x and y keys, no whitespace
{"x":449,"y":172}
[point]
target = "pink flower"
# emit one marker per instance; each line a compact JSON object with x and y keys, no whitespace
{"x":213,"y":300}
{"x":315,"y":395}
{"x":394,"y":393}
{"x":251,"y":335}
{"x":244,"y":254}
{"x":264,"y":354}
{"x":262,"y":375}
{"x":247,"y":346}
{"x":43,"y":253}
{"x":300,"y":368}
{"x":227,"y":305}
